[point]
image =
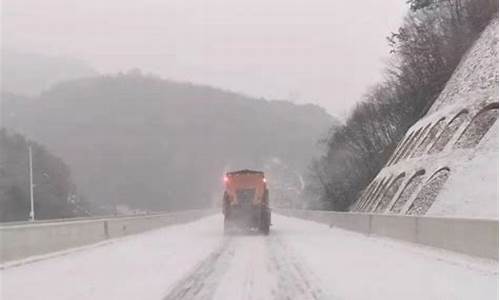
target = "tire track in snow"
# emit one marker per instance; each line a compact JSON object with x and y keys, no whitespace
{"x":202,"y":282}
{"x":295,"y":281}
{"x":249,"y":267}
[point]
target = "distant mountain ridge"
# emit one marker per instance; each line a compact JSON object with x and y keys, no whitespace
{"x":151,"y":143}
{"x":26,"y":73}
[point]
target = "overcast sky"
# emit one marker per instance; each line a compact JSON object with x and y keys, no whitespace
{"x":322,"y":51}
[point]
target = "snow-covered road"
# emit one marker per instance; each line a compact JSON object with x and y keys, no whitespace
{"x":298,"y":260}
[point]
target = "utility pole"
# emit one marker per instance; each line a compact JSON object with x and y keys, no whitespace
{"x":32,"y":211}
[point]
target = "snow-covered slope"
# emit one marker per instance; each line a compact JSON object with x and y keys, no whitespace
{"x":447,"y":163}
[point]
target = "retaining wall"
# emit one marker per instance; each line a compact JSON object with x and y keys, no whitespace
{"x":477,"y":237}
{"x":18,"y":241}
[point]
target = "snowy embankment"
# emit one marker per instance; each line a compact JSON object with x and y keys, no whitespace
{"x":354,"y":266}
{"x":298,"y":260}
{"x":134,"y":267}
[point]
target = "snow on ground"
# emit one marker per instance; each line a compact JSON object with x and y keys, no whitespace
{"x":353,"y":266}
{"x":472,"y":192}
{"x":298,"y":260}
{"x":134,"y":267}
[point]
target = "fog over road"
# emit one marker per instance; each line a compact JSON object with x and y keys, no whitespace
{"x":298,"y":260}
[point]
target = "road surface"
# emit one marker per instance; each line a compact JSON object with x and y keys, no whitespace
{"x":298,"y":260}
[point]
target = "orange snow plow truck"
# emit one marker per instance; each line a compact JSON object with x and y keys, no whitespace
{"x":246,"y":201}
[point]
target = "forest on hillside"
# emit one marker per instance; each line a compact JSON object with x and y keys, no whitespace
{"x":425,"y":51}
{"x":55,"y":195}
{"x":140,"y":142}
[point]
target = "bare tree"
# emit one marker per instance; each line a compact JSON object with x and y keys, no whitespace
{"x":425,"y":51}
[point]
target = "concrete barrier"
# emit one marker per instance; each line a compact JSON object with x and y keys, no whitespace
{"x":472,"y":236}
{"x":396,"y":227}
{"x":18,"y":241}
{"x":477,"y":237}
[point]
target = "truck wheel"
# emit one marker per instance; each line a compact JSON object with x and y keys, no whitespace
{"x":265,"y":230}
{"x":227,"y":226}
{"x":265,"y":217}
{"x":265,"y":222}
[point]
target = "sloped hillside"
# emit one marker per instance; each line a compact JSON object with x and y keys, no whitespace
{"x":447,"y":163}
{"x":30,"y":73}
{"x":155,"y":144}
{"x":54,"y":192}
